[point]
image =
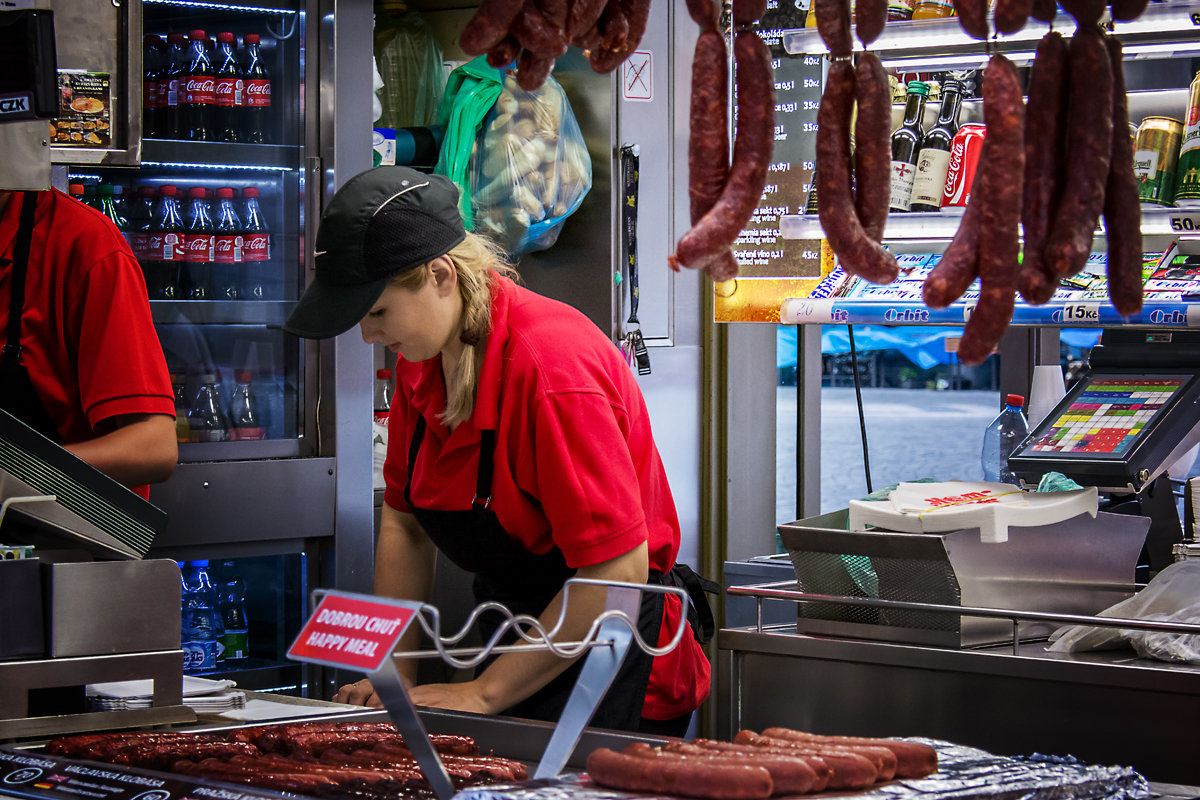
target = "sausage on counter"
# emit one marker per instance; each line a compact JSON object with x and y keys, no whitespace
{"x":1089,"y":152}
{"x":833,"y":23}
{"x":709,"y":781}
{"x":859,"y":254}
{"x":1044,"y":151}
{"x":972,"y":16}
{"x":913,"y":759}
{"x":1000,"y":214}
{"x":851,"y":770}
{"x":1122,"y":206}
{"x":873,"y":145}
{"x":789,"y":775}
{"x":821,"y":770}
{"x":752,"y":146}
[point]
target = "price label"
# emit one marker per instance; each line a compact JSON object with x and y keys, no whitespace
{"x":799,"y":311}
{"x":1078,"y":312}
{"x":1189,"y":223}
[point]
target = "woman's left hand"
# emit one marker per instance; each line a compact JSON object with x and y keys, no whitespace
{"x":465,"y":696}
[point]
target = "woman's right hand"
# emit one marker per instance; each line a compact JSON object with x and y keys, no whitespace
{"x":359,"y":693}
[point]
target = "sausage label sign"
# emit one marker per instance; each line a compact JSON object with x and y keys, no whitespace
{"x":353,"y":631}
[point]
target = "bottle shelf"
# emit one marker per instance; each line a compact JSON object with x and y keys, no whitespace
{"x":268,"y":313}
{"x":185,"y":154}
{"x":223,"y":7}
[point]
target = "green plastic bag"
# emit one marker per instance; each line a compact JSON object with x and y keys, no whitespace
{"x":471,"y":91}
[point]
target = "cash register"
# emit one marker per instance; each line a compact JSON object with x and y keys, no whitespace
{"x":1119,"y":428}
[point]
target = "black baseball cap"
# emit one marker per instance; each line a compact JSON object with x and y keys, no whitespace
{"x":382,"y":222}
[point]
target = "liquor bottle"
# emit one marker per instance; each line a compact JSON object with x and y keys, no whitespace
{"x":200,"y":241}
{"x":166,"y":250}
{"x":257,"y":102}
{"x":905,"y":143}
{"x":199,"y":92}
{"x":172,"y":84}
{"x":934,"y":159}
{"x":207,"y":416}
{"x":152,"y":73}
{"x":233,"y":614}
{"x":140,"y":218}
{"x":228,"y":109}
{"x":244,"y":416}
{"x":228,"y":248}
{"x":256,"y":246}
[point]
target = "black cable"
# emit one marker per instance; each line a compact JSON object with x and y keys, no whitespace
{"x":862,"y":420}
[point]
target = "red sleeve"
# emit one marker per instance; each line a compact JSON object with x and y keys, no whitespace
{"x":586,"y":480}
{"x":122,"y":369}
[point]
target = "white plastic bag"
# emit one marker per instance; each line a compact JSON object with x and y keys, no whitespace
{"x":1172,"y":596}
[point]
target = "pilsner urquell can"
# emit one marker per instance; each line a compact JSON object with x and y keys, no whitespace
{"x":1155,"y":159}
{"x":964,"y":158}
{"x":1187,"y":192}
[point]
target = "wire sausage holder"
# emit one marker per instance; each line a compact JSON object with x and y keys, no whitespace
{"x":360,"y":632}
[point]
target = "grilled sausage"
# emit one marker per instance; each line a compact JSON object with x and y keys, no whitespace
{"x":752,"y":147}
{"x":1011,"y":15}
{"x":1000,"y":214}
{"x":858,"y":253}
{"x":873,"y":145}
{"x":712,"y":781}
{"x":1044,"y":150}
{"x":489,"y":25}
{"x":822,"y":771}
{"x":1089,"y":152}
{"x":708,"y":136}
{"x":851,"y":770}
{"x":972,"y":16}
{"x":870,"y":16}
{"x":788,"y":775}
{"x":914,"y":760}
{"x":1122,"y":206}
{"x":833,"y":23}
{"x":882,"y":759}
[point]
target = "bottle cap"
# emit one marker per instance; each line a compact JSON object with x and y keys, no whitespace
{"x":75,"y":188}
{"x":918,"y":87}
{"x":224,"y":36}
{"x":146,"y":190}
{"x":176,"y":37}
{"x":1015,"y":400}
{"x":950,"y":85}
{"x":250,"y":38}
{"x":385,"y":374}
{"x":224,"y":191}
{"x":250,"y":191}
{"x":197,"y":34}
{"x":196,"y":191}
{"x":168,"y":190}
{"x":244,"y":376}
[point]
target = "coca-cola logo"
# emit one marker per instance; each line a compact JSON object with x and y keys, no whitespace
{"x":956,"y":162}
{"x":200,"y":85}
{"x":199,"y":248}
{"x":260,"y":88}
{"x":257,"y":242}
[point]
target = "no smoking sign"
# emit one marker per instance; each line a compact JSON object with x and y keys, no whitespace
{"x":636,"y":83}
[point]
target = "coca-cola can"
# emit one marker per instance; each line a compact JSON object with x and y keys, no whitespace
{"x":964,"y":158}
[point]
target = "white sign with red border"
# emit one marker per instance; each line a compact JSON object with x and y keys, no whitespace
{"x":637,"y":77}
{"x":353,"y":631}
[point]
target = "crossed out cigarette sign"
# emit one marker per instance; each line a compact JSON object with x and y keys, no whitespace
{"x":636,"y":83}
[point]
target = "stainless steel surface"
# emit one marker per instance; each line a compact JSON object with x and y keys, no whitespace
{"x":26,"y":162}
{"x":1105,"y":708}
{"x":1078,"y":566}
{"x":247,"y":501}
{"x":108,"y":607}
{"x":19,"y":678}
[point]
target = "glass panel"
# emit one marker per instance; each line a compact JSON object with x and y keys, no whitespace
{"x":224,"y":266}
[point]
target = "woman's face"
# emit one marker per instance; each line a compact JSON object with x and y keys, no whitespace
{"x":417,"y":323}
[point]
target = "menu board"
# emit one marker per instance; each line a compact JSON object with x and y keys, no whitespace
{"x":761,"y":250}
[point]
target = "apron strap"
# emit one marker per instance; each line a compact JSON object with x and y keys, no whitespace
{"x":700,"y":616}
{"x":483,"y":476}
{"x":20,"y":266}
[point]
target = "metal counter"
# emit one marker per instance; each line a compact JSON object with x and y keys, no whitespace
{"x":1104,"y":708}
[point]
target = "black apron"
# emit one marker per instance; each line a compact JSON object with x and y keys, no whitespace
{"x":17,"y":393}
{"x":505,"y":572}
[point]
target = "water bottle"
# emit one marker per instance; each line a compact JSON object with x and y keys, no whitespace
{"x":205,"y":631}
{"x":1000,"y":438}
{"x":233,"y":615}
{"x":185,"y":620}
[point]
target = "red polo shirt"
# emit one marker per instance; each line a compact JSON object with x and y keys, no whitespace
{"x":87,"y":337}
{"x":575,"y":460}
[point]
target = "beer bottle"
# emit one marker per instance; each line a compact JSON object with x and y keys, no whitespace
{"x":906,"y":142}
{"x":200,"y":240}
{"x":229,"y":90}
{"x":934,"y":159}
{"x":199,"y":93}
{"x":171,"y":86}
{"x":257,"y":101}
{"x":228,"y":253}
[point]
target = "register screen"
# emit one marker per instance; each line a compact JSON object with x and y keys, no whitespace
{"x":1108,"y":417}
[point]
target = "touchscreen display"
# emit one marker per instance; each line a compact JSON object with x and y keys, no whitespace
{"x":1107,"y":417}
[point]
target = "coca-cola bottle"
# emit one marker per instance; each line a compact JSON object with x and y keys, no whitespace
{"x":75,"y":190}
{"x":256,"y":109}
{"x":207,"y":416}
{"x":256,"y":246}
{"x":199,"y":92}
{"x":246,"y":423}
{"x":200,"y":240}
{"x":140,"y":220}
{"x":228,"y":109}
{"x":171,"y":86}
{"x":229,"y":243}
{"x":152,"y":72}
{"x":165,"y":251}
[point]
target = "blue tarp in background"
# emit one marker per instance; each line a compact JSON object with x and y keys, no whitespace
{"x":923,"y":346}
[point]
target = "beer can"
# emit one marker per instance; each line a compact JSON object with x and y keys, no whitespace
{"x":1156,"y":158}
{"x":1187,"y":190}
{"x":964,"y":159}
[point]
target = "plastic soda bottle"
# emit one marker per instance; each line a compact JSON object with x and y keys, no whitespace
{"x":243,"y":410}
{"x":1000,"y":438}
{"x":207,"y":418}
{"x":233,"y":615}
{"x":228,"y":247}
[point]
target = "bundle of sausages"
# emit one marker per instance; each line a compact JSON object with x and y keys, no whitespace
{"x":724,"y":194}
{"x":853,"y":220}
{"x":1054,"y":166}
{"x":779,"y":761}
{"x":536,"y":32}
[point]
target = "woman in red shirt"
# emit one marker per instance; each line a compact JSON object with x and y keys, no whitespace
{"x":519,"y":445}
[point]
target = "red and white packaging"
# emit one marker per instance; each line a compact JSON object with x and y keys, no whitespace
{"x":964,"y":159}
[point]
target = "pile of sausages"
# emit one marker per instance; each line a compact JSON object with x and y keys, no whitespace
{"x":1051,"y":167}
{"x":723,"y":193}
{"x":533,"y":33}
{"x":779,"y":761}
{"x":339,"y":761}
